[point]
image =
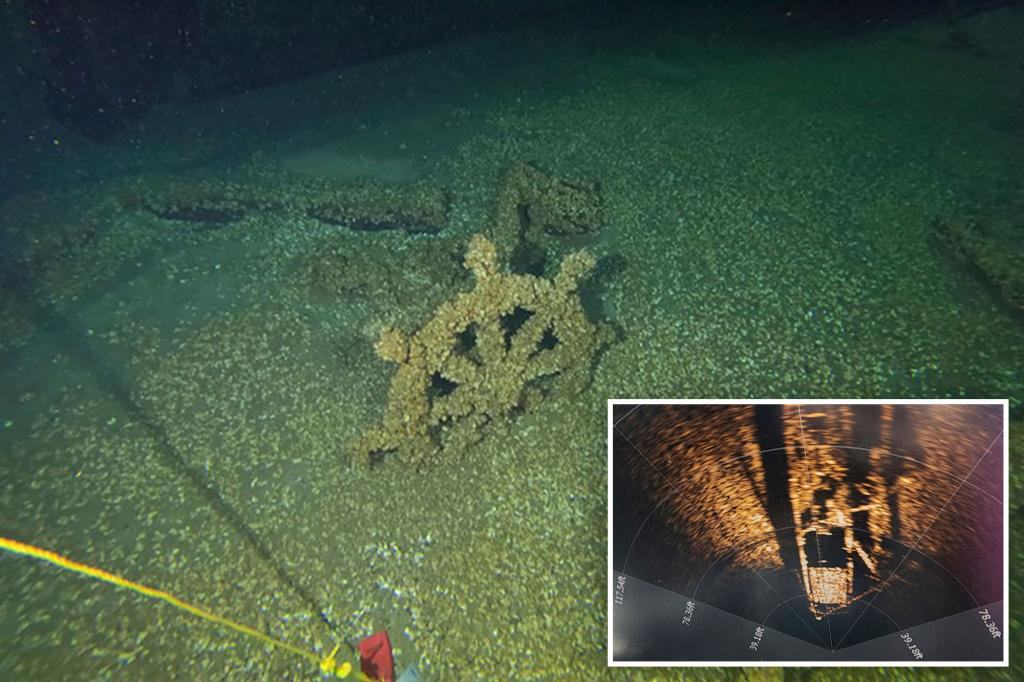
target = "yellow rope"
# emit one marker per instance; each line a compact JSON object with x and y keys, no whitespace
{"x":328,"y":664}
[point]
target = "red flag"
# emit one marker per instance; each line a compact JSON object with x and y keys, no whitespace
{"x":375,"y":657}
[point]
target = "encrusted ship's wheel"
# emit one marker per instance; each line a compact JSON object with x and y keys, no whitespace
{"x":486,"y":353}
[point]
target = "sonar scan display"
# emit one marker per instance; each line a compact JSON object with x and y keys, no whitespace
{"x":818,"y":532}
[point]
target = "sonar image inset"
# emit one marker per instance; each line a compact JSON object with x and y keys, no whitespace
{"x":816,"y":532}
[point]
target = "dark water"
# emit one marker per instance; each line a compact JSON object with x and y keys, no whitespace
{"x":210,"y":213}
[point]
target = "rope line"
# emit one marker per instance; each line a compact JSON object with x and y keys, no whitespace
{"x":327,"y":664}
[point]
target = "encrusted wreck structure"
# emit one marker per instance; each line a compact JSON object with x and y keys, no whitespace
{"x":484,"y":355}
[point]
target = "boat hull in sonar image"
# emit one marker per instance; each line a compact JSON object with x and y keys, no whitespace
{"x":810,"y":531}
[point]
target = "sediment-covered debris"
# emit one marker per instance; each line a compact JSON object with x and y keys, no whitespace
{"x":363,"y":206}
{"x":534,"y":206}
{"x":999,"y":260}
{"x":399,"y":279}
